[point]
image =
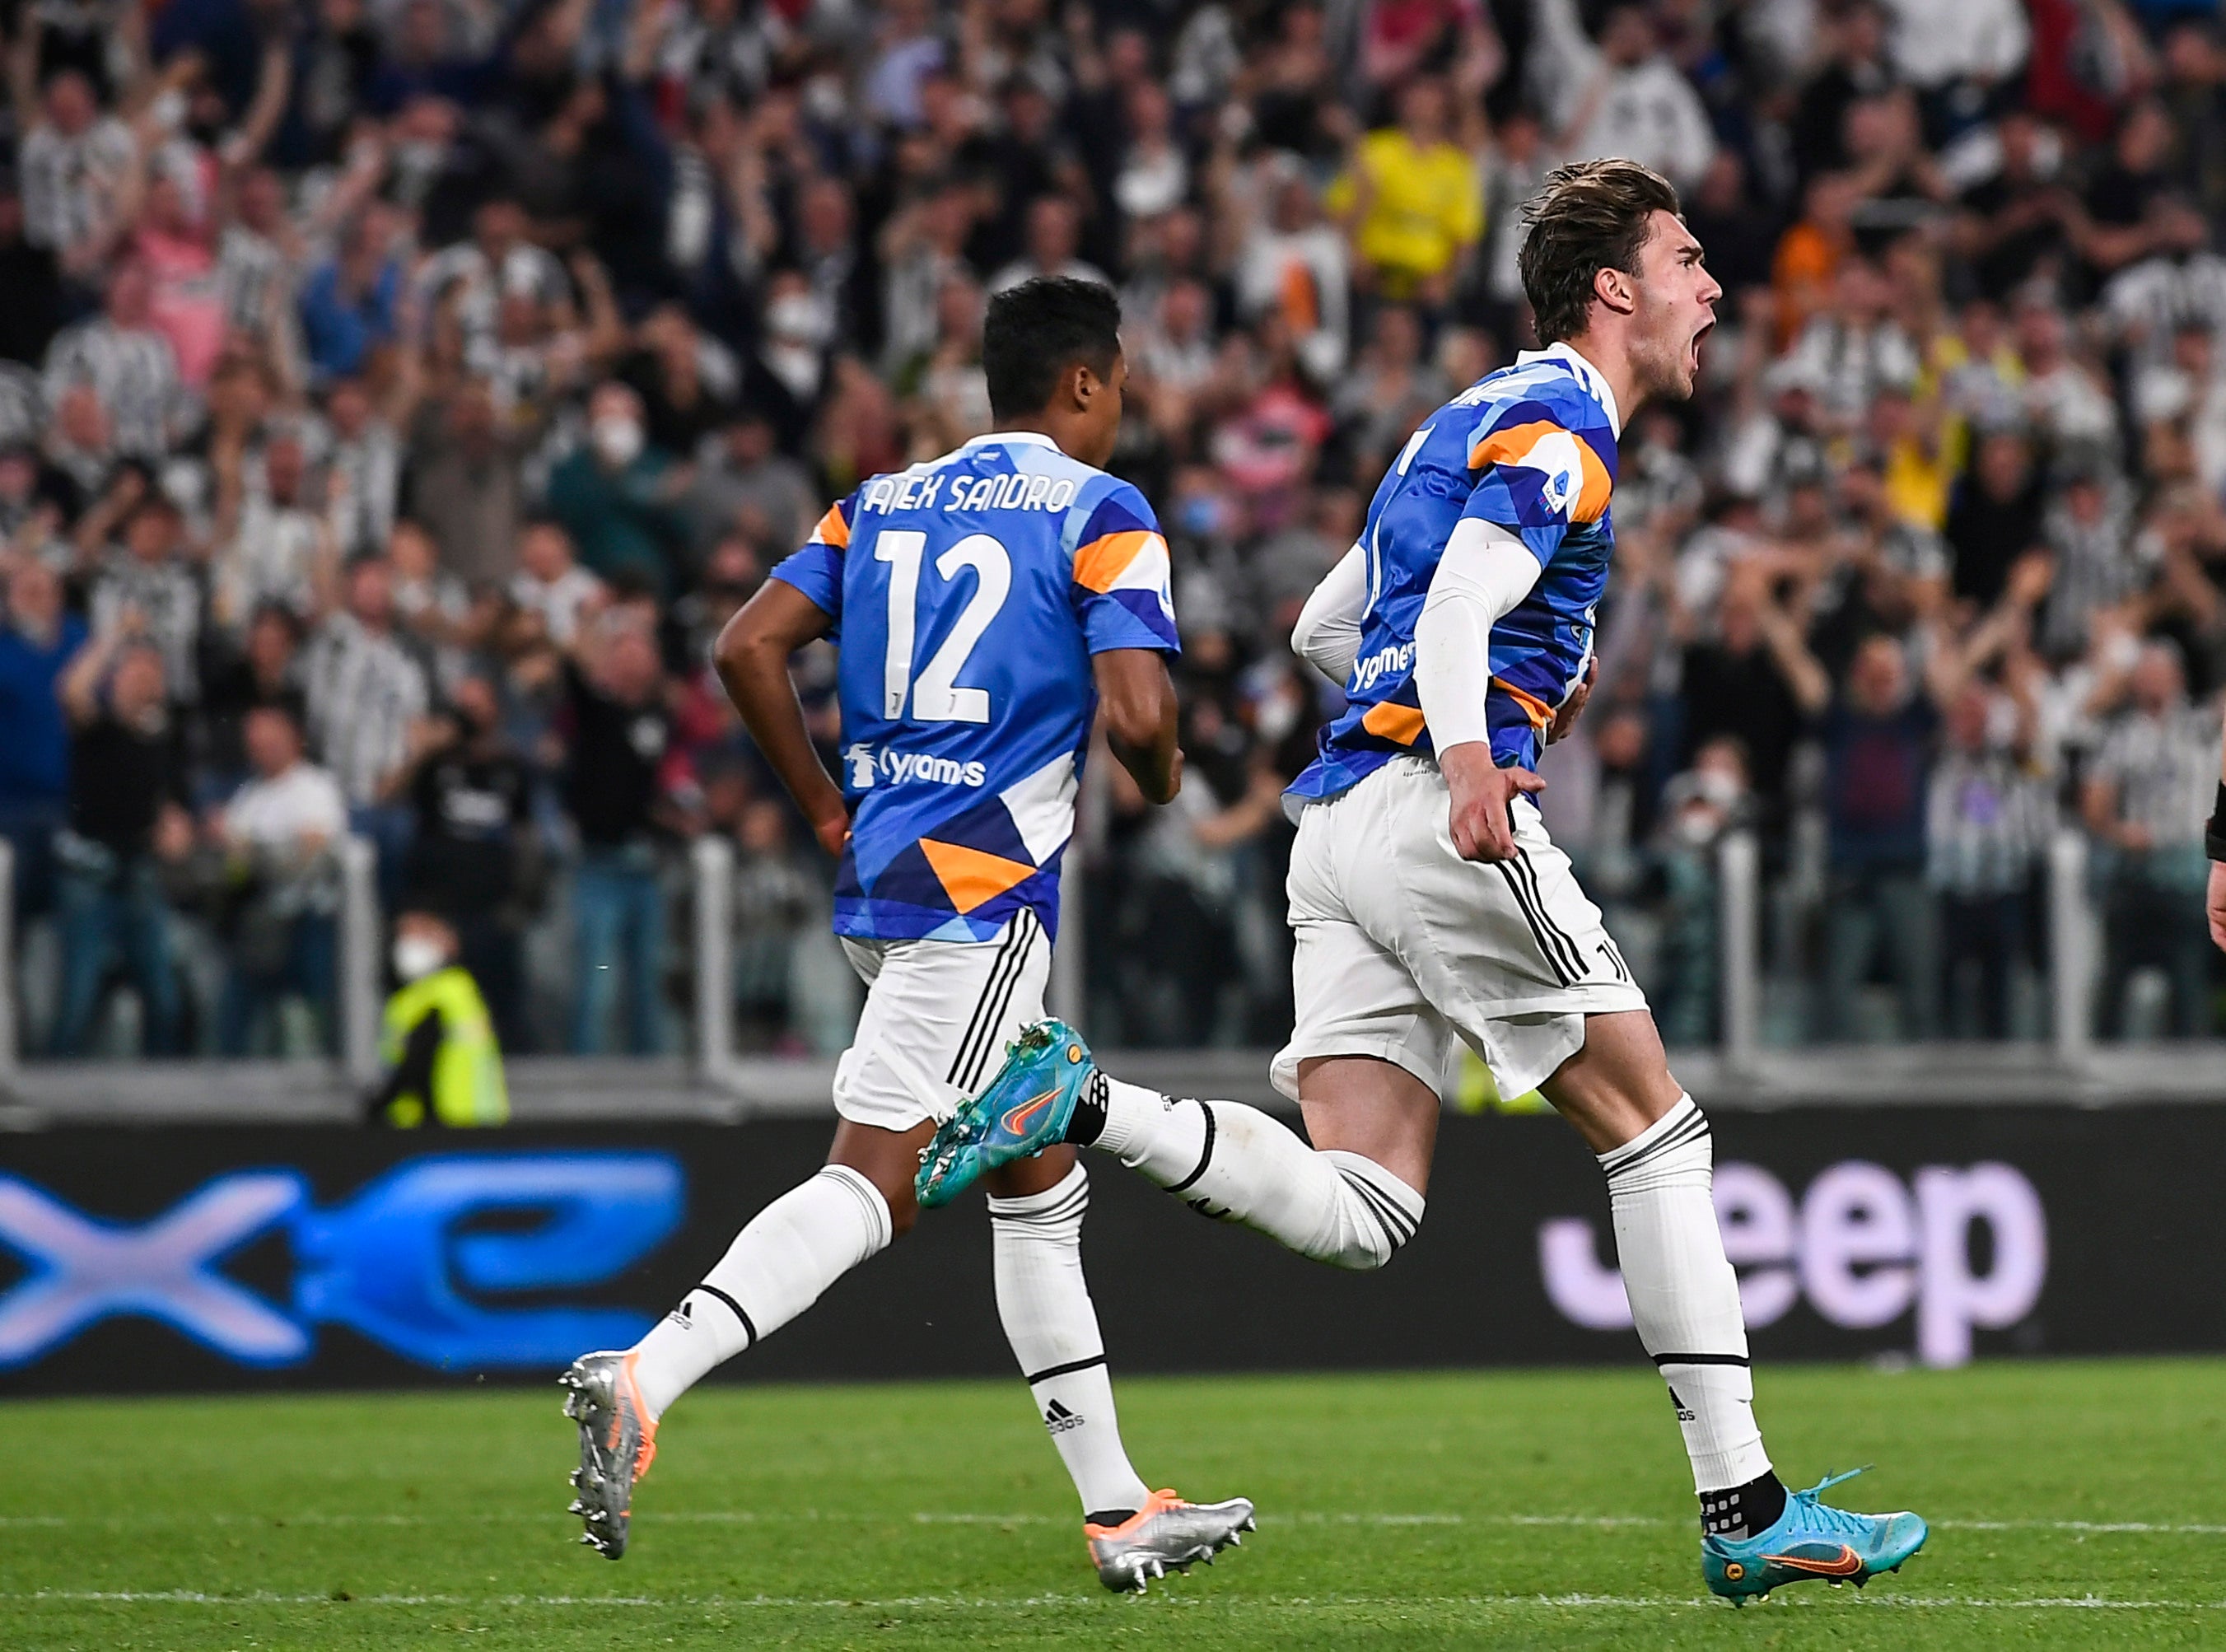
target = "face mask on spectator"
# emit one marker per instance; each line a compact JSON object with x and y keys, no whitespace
{"x":416,"y":957}
{"x":617,"y":439}
{"x":794,"y":319}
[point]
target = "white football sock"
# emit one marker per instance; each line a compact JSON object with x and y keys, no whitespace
{"x":1045,"y":1304}
{"x":1684,"y":1296}
{"x":1234,"y":1163}
{"x":792,"y":1250}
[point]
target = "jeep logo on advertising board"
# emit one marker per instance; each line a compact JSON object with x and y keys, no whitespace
{"x":1861,"y":1247}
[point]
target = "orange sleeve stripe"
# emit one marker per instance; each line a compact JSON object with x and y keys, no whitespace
{"x":1510,"y":446}
{"x":1540,"y":714}
{"x":833,"y":529}
{"x":1104,"y":559}
{"x":1505,"y":447}
{"x":1592,"y":498}
{"x":1394,"y":722}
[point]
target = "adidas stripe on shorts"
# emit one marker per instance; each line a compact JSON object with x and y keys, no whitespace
{"x":1403,"y":946}
{"x":937,"y":1020}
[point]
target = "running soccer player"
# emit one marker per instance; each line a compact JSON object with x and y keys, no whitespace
{"x":1429,"y":902}
{"x":987,"y":604}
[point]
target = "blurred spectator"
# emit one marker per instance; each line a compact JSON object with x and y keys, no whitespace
{"x":1854,"y":348}
{"x":1413,"y":200}
{"x":126,"y":361}
{"x":39,"y":638}
{"x":549,"y":584}
{"x":619,"y":736}
{"x":1855,"y":67}
{"x":367,"y":694}
{"x":351,"y":304}
{"x":740,"y":470}
{"x":2146,"y":800}
{"x":74,"y":161}
{"x":464,"y":482}
{"x":1293,"y":263}
{"x":362,"y":470}
{"x":778,"y":903}
{"x":687,"y":382}
{"x":2067,"y":400}
{"x":1877,"y":742}
{"x":1995,"y":516}
{"x":267,"y":671}
{"x":145,"y":588}
{"x":272,"y":546}
{"x":2089,"y":531}
{"x":127,"y":824}
{"x":615,"y":497}
{"x":1985,"y":830}
{"x":1756,"y":682}
{"x":1622,"y":96}
{"x":1054,"y":236}
{"x":278,"y":835}
{"x":1698,"y":807}
{"x":474,"y":856}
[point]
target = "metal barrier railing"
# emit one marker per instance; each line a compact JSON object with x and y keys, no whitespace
{"x":2070,"y":950}
{"x":358,"y":976}
{"x":2072,"y":922}
{"x":1738,"y":943}
{"x":712,"y":902}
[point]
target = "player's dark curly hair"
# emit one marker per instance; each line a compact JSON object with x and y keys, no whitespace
{"x":1590,"y":217}
{"x":1036,"y":331}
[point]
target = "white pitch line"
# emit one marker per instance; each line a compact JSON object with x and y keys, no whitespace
{"x":939,"y":1517}
{"x":918,"y":1603}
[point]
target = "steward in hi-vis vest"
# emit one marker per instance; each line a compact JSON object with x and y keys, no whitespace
{"x":443,"y":1062}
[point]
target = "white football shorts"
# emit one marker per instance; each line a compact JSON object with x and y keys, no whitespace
{"x":1403,"y":946}
{"x":937,"y":1020}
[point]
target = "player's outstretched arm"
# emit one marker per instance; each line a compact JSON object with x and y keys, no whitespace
{"x":1137,"y":699}
{"x":753,"y":659}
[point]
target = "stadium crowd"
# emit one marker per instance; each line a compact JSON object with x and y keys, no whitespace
{"x":397,"y":395}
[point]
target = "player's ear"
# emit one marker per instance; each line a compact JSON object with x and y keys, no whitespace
{"x":1616,"y":289}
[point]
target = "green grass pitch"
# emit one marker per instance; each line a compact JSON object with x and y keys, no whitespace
{"x":2073,"y":1504}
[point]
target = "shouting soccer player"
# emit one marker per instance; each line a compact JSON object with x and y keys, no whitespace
{"x":1428,"y":903}
{"x":986,"y":604}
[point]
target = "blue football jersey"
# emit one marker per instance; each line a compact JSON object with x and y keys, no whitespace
{"x":1531,"y":447}
{"x":968,"y":595}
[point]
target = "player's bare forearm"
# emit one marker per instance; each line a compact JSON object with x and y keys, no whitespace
{"x":1483,"y":797}
{"x":753,"y":657}
{"x":1137,"y":699}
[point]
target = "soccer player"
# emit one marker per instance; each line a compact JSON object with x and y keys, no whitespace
{"x":987,"y":604}
{"x":1429,"y":902}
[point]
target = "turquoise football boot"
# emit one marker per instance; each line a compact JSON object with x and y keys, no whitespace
{"x":1025,"y":1108}
{"x":1810,"y":1540}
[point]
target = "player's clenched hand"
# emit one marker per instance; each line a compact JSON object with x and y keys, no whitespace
{"x":2214,"y":904}
{"x":833,"y":832}
{"x":1483,"y":793}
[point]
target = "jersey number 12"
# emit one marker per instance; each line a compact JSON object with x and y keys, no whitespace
{"x":936,"y":696}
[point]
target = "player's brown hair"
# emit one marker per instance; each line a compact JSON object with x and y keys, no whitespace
{"x":1592,"y":216}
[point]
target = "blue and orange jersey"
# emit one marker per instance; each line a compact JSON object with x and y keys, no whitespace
{"x":968,"y":595}
{"x":1531,"y":447}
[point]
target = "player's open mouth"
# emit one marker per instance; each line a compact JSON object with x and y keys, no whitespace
{"x":1707,"y":328}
